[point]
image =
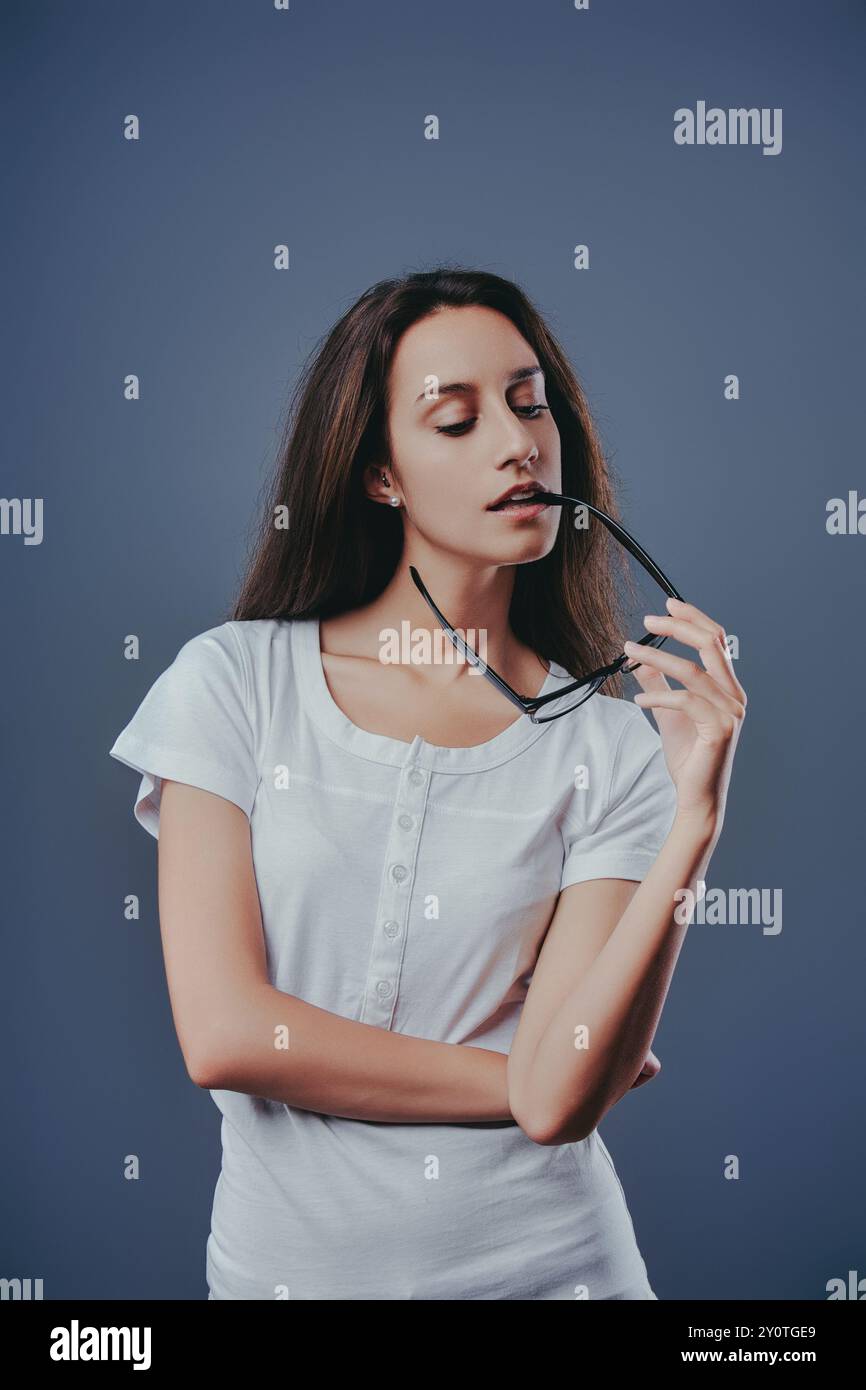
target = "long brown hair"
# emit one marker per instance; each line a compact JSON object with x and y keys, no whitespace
{"x":338,"y":551}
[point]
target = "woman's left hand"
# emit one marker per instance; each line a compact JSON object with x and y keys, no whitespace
{"x":700,"y":725}
{"x":651,"y":1067}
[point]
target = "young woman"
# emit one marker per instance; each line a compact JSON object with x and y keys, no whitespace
{"x":417,"y":944}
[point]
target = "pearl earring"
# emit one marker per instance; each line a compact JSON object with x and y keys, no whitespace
{"x":395,"y":501}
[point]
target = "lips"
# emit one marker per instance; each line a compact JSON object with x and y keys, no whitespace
{"x":514,"y":502}
{"x":516,"y":496}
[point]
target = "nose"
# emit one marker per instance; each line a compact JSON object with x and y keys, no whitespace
{"x":516,"y":442}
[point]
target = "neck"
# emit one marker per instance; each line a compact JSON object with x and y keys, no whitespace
{"x":475,"y":600}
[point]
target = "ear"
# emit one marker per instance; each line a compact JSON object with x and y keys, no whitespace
{"x":374,"y":487}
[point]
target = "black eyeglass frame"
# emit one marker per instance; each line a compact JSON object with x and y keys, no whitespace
{"x":530,"y":704}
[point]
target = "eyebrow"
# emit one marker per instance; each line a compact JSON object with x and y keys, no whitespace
{"x":459,"y":388}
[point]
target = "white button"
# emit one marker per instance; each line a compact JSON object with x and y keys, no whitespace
{"x":399,"y":872}
{"x":416,"y":776}
{"x":405,"y":822}
{"x":392,"y":928}
{"x":383,"y":989}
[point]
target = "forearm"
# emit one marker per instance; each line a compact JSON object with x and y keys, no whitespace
{"x":597,"y":1040}
{"x":282,"y":1048}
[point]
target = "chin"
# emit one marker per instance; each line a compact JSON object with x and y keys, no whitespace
{"x":522,"y":551}
{"x":529,"y":545}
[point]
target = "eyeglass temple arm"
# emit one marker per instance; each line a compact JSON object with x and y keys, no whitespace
{"x":622,"y":535}
{"x":529,"y":704}
{"x":472,"y":657}
{"x":637,"y":550}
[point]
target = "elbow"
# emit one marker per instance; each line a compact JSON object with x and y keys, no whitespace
{"x":552,"y":1121}
{"x":201,"y":1072}
{"x":540,"y":1134}
{"x":551,"y":1130}
{"x":537,"y":1124}
{"x":579,"y":1126}
{"x":576,"y":1126}
{"x":569,"y":1131}
{"x":205,"y":1079}
{"x":204,"y":1066}
{"x":222,"y":1057}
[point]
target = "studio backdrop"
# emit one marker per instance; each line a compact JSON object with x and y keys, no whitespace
{"x":194,"y":195}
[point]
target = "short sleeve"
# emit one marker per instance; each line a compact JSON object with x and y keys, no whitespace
{"x":193,"y":726}
{"x":620,"y":835}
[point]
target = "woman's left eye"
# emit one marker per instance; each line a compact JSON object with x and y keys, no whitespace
{"x":461,"y":428}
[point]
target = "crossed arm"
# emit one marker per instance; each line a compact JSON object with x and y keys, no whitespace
{"x":606,"y":963}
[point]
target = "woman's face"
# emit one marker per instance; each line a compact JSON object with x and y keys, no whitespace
{"x":455,"y":451}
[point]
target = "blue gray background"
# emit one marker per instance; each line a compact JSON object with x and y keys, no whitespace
{"x":155,"y":257}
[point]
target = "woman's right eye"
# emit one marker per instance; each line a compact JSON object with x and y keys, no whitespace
{"x":456,"y":430}
{"x":529,"y":412}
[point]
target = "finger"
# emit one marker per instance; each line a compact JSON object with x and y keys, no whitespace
{"x":705,"y":715}
{"x":693,"y":677}
{"x":651,"y":1067}
{"x":646,"y":675}
{"x":714,"y":653}
{"x":650,"y":680}
{"x":680,"y":609}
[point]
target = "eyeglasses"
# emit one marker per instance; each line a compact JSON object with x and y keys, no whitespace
{"x":587,"y":685}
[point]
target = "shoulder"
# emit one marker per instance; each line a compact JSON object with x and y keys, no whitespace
{"x":234,"y":670}
{"x":240,"y":649}
{"x":624,"y":723}
{"x":626,"y":734}
{"x":237,"y":637}
{"x":611,"y":736}
{"x":202,"y":720}
{"x":606,"y":721}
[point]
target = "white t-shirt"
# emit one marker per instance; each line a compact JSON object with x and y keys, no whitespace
{"x":408,"y":886}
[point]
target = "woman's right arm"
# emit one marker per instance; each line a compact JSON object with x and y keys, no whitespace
{"x":229,"y":1018}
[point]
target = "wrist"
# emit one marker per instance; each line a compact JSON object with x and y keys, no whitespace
{"x":493,"y":1103}
{"x":701,"y":823}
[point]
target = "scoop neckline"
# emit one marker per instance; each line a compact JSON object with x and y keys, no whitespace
{"x":323,"y":709}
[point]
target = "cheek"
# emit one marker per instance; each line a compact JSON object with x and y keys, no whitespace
{"x":444,"y":517}
{"x":443,"y":488}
